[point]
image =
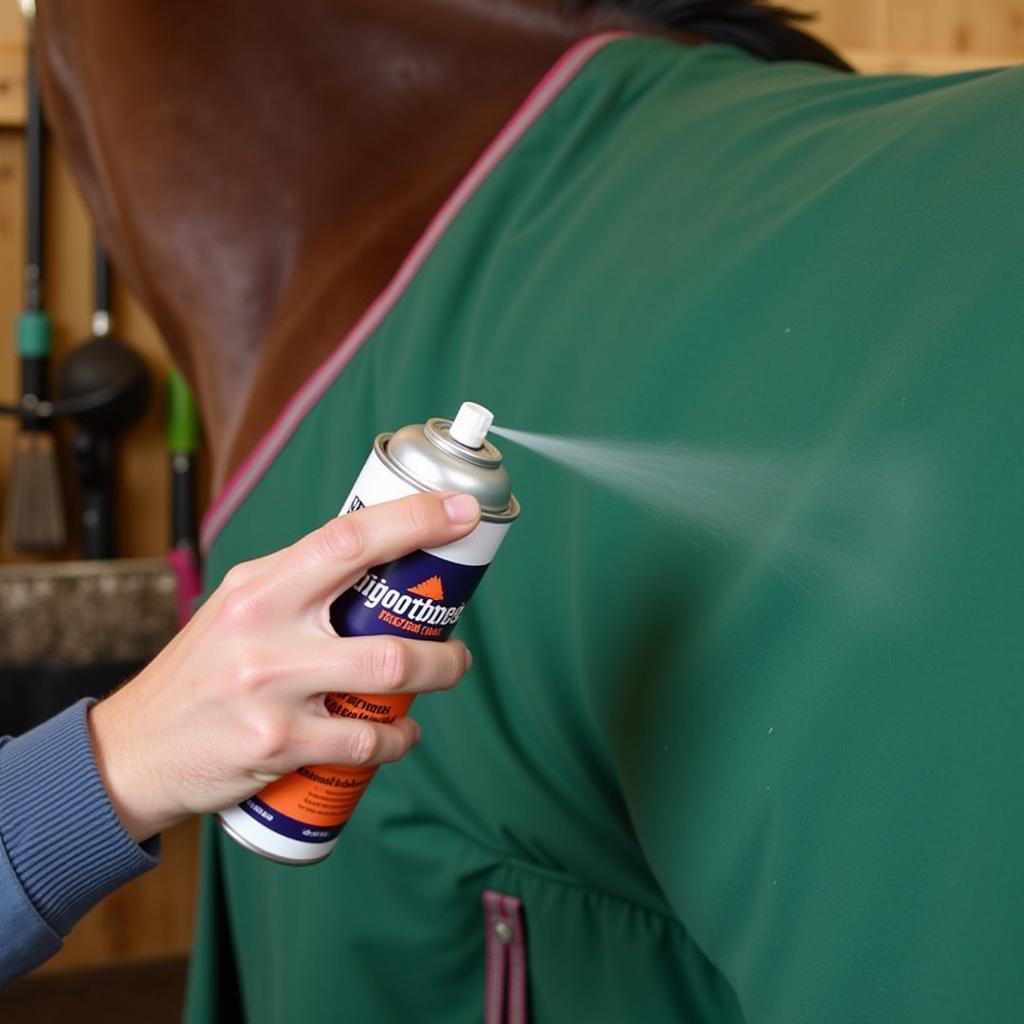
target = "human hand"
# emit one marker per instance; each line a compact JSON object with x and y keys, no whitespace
{"x":236,"y":698}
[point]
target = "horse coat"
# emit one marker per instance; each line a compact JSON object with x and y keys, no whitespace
{"x":688,"y":778}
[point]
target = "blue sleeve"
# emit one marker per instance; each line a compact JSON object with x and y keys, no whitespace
{"x":62,"y":846}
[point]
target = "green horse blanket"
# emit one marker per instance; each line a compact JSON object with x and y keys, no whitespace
{"x":698,"y":773}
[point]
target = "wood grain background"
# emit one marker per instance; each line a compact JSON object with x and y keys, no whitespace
{"x":152,"y":917}
{"x":922,"y":36}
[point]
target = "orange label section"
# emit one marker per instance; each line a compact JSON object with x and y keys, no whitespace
{"x":326,"y":795}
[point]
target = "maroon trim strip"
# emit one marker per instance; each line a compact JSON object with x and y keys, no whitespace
{"x":494,"y":997}
{"x":518,"y":1005}
{"x":506,"y":996}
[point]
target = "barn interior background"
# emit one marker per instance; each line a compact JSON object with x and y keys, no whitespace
{"x":151,"y":919}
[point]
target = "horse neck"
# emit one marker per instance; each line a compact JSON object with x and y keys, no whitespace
{"x":259,"y":176}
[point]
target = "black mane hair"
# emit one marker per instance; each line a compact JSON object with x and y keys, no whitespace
{"x":763,"y":29}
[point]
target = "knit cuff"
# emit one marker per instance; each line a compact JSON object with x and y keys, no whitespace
{"x":62,"y":834}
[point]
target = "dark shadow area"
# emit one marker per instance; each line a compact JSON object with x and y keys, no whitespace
{"x":30,"y":694}
{"x":150,"y":992}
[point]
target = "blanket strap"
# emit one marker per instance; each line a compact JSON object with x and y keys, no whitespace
{"x":505,"y":1000}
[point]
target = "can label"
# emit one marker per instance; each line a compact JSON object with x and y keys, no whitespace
{"x":312,"y":804}
{"x":421,"y":596}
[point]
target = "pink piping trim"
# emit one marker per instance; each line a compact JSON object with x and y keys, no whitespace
{"x":517,"y":1001}
{"x":259,"y":460}
{"x":494,"y":997}
{"x":505,"y":999}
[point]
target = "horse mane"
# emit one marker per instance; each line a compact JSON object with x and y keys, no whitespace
{"x":762,"y":29}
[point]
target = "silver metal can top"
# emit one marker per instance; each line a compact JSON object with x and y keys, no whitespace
{"x":428,"y":457}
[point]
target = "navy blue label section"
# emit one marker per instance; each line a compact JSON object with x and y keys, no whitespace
{"x":285,"y":826}
{"x":419,"y":596}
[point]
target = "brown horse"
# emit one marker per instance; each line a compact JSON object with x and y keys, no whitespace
{"x":259,"y":171}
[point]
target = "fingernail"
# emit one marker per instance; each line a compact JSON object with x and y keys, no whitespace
{"x":469,"y":659}
{"x":461,"y":508}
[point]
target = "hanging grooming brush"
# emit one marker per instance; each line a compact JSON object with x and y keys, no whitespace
{"x":102,"y":367}
{"x":75,"y":629}
{"x":34,"y":518}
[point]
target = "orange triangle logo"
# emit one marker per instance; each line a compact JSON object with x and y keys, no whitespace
{"x":429,"y":588}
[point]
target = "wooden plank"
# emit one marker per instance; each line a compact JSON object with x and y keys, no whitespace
{"x":12,"y":86}
{"x":950,"y":27}
{"x":12,"y":24}
{"x":924,"y":63}
{"x":13,"y":37}
{"x":844,"y":24}
{"x":994,"y":26}
{"x":954,"y":28}
{"x":906,"y":26}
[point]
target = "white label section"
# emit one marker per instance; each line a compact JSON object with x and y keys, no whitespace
{"x":376,"y":483}
{"x":248,"y":830}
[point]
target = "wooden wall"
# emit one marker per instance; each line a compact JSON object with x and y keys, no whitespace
{"x":153,"y":916}
{"x":925,"y":36}
{"x":144,"y":476}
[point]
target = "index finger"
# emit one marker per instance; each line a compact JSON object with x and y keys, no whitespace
{"x":332,"y":558}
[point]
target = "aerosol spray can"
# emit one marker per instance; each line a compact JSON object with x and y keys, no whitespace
{"x":297,"y":819}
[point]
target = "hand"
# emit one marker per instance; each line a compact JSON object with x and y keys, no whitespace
{"x":236,"y":698}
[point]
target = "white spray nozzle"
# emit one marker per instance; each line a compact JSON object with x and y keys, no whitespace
{"x":471,"y":424}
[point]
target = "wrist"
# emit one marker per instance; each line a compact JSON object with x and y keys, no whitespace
{"x":127,"y":767}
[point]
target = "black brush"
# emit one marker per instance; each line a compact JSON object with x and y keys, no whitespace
{"x":110,"y":382}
